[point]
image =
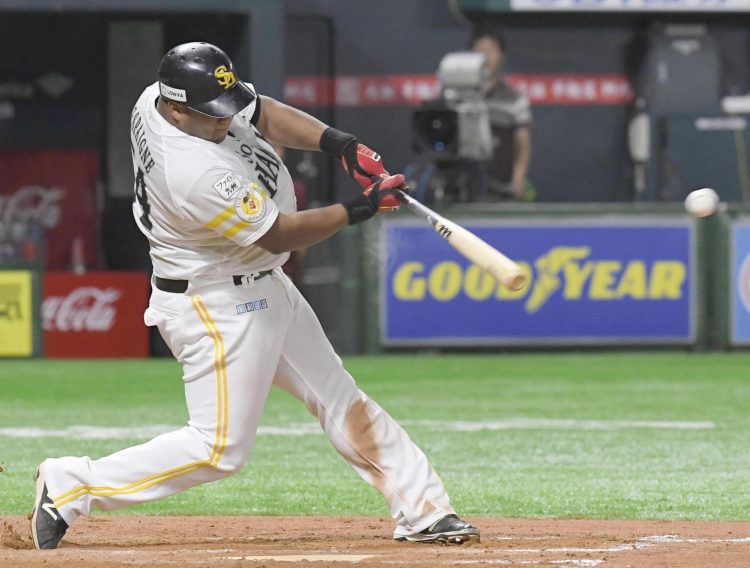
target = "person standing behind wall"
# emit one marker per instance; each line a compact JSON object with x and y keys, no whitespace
{"x":510,"y":119}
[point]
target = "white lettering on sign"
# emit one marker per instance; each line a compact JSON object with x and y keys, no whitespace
{"x":371,"y":90}
{"x":32,"y":203}
{"x":87,"y":308}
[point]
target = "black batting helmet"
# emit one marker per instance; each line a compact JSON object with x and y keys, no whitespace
{"x":201,"y":76}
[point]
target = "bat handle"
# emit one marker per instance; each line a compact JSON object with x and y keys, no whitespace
{"x":403,"y":196}
{"x":418,"y":208}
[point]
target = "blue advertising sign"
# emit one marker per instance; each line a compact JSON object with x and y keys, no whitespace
{"x":740,"y":284}
{"x":590,"y":283}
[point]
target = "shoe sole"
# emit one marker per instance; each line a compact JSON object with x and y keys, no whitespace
{"x":39,"y":478}
{"x":455,"y":538}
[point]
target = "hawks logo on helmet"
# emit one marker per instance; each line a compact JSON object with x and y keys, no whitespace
{"x":226,"y":78}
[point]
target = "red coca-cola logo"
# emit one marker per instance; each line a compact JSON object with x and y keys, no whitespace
{"x":32,"y":203}
{"x":95,"y":314}
{"x":87,"y":308}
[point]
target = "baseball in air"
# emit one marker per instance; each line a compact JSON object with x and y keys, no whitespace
{"x":702,"y":202}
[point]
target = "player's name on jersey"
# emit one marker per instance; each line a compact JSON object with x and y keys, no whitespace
{"x":139,"y":134}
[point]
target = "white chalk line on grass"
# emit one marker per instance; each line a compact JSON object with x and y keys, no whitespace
{"x":559,"y":424}
{"x":86,"y":432}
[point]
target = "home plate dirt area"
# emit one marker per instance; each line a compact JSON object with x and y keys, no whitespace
{"x":109,"y":541}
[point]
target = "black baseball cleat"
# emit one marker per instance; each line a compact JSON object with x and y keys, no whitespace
{"x":47,"y":526}
{"x":448,"y":530}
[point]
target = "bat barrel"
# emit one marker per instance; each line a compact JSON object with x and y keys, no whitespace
{"x":502,"y":268}
{"x":515,"y":282}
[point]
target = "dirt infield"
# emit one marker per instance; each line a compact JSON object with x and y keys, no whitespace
{"x":366,"y":541}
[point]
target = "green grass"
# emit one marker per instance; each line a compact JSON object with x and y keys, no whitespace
{"x":626,"y":473}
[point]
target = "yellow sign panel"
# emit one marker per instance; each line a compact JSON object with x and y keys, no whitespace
{"x":16,"y":314}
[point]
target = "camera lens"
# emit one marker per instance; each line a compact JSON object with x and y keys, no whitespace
{"x":436,"y":130}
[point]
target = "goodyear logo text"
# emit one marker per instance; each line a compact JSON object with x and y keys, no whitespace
{"x":567,"y":271}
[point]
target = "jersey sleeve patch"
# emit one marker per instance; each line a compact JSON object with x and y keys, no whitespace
{"x":227,"y":186}
{"x":249,"y":204}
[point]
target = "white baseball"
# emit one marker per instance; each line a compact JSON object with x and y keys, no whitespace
{"x":702,"y":202}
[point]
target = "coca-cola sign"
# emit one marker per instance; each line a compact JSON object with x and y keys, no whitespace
{"x":87,"y":308}
{"x":95,"y":314}
{"x":32,"y":204}
{"x":56,"y":191}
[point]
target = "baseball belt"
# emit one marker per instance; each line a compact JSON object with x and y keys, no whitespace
{"x":181,"y":286}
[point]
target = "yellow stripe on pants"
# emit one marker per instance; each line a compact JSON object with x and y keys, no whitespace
{"x":220,"y":364}
{"x":220,"y":438}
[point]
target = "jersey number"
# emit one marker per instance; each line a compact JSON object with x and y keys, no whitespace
{"x":142,"y":198}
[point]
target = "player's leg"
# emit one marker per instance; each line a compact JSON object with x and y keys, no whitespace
{"x":228,"y":364}
{"x":361,"y":431}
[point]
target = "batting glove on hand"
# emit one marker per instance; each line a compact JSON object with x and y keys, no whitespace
{"x":379,"y":197}
{"x":360,"y":162}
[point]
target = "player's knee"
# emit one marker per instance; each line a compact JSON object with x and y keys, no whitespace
{"x":232,"y":459}
{"x":225,"y":456}
{"x":228,"y":467}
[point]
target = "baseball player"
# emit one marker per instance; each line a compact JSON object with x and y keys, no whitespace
{"x":217,"y":206}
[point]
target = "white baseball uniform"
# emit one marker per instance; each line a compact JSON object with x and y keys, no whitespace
{"x":236,"y":331}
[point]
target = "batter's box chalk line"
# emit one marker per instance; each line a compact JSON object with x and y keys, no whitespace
{"x":640,"y":543}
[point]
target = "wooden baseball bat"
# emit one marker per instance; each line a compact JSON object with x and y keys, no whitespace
{"x":469,"y":245}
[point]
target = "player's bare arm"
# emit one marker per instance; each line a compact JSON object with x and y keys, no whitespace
{"x":306,"y":228}
{"x":288,"y":126}
{"x":296,"y":129}
{"x":293,"y":128}
{"x":303,"y":229}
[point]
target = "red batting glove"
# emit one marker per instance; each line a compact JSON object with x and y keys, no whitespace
{"x":387,"y":195}
{"x":362,"y":164}
{"x":379,"y":197}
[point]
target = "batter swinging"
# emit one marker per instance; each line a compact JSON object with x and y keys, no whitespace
{"x":217,"y":206}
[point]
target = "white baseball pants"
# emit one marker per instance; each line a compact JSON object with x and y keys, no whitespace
{"x":234,"y":342}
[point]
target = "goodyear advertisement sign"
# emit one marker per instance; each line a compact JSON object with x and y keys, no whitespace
{"x":740,"y":284}
{"x":590,"y":282}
